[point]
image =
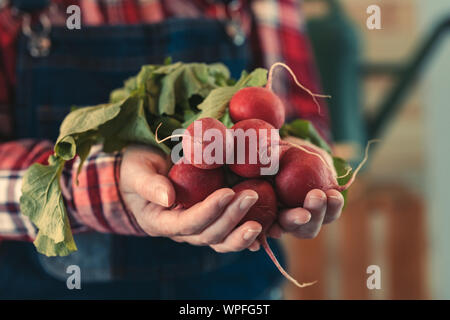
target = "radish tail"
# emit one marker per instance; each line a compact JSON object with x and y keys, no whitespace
{"x":272,"y":257}
{"x":313,"y":95}
{"x":166,"y":138}
{"x":366,"y":156}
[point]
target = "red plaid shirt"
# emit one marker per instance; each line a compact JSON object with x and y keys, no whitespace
{"x":95,"y":203}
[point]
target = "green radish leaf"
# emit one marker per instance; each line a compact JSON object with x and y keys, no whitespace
{"x":226,"y":119}
{"x":184,"y":82}
{"x":342,"y":168}
{"x":214,"y":105}
{"x":257,"y":78}
{"x":130,"y":126}
{"x":167,"y":60}
{"x":42,"y":202}
{"x":167,"y":126}
{"x":304,"y":129}
{"x":86,"y":119}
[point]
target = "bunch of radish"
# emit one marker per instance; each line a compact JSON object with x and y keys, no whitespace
{"x":301,"y":168}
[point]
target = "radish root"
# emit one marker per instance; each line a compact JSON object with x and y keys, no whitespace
{"x":345,"y":174}
{"x":166,"y":138}
{"x":272,"y":257}
{"x":364,"y":160}
{"x":313,"y":95}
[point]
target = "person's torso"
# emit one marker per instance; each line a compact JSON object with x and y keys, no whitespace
{"x":82,"y":67}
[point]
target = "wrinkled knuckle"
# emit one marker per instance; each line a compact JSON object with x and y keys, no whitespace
{"x":213,"y":239}
{"x":189,"y":230}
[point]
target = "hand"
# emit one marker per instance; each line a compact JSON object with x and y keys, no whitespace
{"x":149,"y":194}
{"x":319,"y":207}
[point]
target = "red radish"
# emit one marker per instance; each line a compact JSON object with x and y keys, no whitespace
{"x":257,"y":103}
{"x":199,"y":144}
{"x":263,"y":103}
{"x":252,"y":151}
{"x":264,"y":211}
{"x":192,"y":184}
{"x":200,"y":147}
{"x":302,"y":170}
{"x":308,"y":146}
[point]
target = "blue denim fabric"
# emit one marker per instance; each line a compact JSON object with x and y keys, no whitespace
{"x":83,"y":67}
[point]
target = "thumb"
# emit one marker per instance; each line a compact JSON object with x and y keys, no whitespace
{"x":155,"y":188}
{"x":145,"y":172}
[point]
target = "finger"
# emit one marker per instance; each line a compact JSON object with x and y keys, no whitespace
{"x":240,"y":239}
{"x":291,"y":219}
{"x":335,"y":203}
{"x":254,"y":246}
{"x":275,"y":231}
{"x":179,"y":222}
{"x":316,"y":204}
{"x":232,"y":215}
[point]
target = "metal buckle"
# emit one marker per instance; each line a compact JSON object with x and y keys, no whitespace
{"x":39,"y":43}
{"x":233,"y":27}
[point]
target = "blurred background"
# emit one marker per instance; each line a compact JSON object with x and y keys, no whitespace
{"x":396,"y":215}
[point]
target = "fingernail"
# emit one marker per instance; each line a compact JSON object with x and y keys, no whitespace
{"x":301,"y":222}
{"x":251,"y":234}
{"x":254,"y":249}
{"x":315,"y":202}
{"x":335,"y":199}
{"x":226,"y":199}
{"x":163,"y":197}
{"x":247,"y":202}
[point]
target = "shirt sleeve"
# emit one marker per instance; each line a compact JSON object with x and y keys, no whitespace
{"x":94,"y":204}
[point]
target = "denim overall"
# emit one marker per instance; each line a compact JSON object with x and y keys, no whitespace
{"x":82,"y":68}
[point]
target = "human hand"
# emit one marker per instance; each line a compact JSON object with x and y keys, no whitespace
{"x":149,"y":195}
{"x":319,"y":207}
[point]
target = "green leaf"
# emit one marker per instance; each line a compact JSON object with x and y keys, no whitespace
{"x":42,"y":202}
{"x":257,"y":78}
{"x":304,"y":129}
{"x":342,"y":168}
{"x":226,"y":119}
{"x":167,"y":60}
{"x":130,"y":126}
{"x":181,"y":84}
{"x":86,"y":119}
{"x":214,"y":105}
{"x":84,"y":143}
{"x":66,"y":148}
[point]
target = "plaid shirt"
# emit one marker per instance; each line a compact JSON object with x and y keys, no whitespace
{"x":275,"y":30}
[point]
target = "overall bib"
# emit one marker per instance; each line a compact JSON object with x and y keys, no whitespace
{"x":82,"y":68}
